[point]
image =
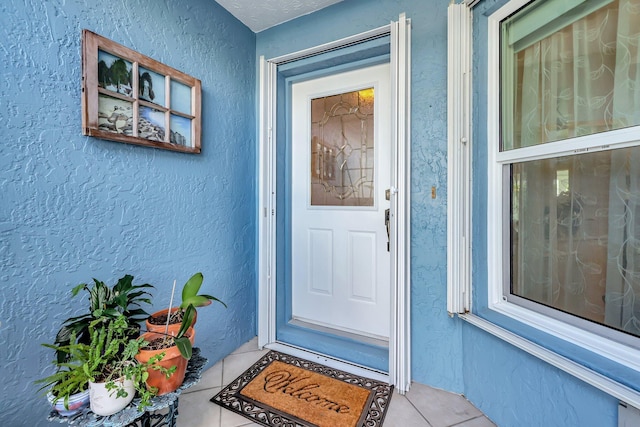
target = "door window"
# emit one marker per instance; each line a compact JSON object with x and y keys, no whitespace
{"x":342,"y":149}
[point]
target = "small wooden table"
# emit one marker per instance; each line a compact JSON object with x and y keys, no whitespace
{"x":162,"y":411}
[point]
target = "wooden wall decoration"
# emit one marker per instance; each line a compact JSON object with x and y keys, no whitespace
{"x":129,"y":97}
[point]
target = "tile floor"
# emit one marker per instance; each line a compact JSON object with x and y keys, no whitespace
{"x":422,"y":406}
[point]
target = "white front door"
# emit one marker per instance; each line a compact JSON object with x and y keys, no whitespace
{"x":341,"y":168}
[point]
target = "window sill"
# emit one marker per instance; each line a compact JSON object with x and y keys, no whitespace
{"x":597,"y":344}
{"x":605,"y":384}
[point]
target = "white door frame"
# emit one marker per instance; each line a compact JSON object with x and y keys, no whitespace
{"x":400,"y":331}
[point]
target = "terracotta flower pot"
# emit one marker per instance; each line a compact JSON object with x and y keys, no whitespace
{"x":173,"y":327}
{"x":171,"y":358}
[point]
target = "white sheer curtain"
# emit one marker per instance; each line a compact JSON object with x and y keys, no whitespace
{"x":568,"y":80}
{"x":623,"y":268}
{"x":576,"y":220}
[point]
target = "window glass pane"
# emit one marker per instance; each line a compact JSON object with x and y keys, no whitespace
{"x":151,"y":124}
{"x":180,"y":131}
{"x":115,"y":115}
{"x":575,"y":235}
{"x":151,"y":86}
{"x":342,"y":149}
{"x":576,"y":74}
{"x":180,"y":97}
{"x":114,"y":73}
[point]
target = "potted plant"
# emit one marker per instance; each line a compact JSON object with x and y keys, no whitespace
{"x":105,"y":370}
{"x":105,"y":302}
{"x":68,"y":388}
{"x":159,"y":320}
{"x":176,"y":349}
{"x":113,"y":373}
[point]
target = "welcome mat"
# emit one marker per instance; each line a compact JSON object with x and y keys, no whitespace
{"x":285,"y":391}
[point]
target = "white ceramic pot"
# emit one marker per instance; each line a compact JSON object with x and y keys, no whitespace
{"x":76,"y":403}
{"x":104,"y":402}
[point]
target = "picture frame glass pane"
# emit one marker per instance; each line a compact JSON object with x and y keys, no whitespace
{"x":115,"y":115}
{"x":151,"y":124}
{"x":180,"y":97}
{"x":151,"y":86}
{"x":180,"y":131}
{"x":114,"y":73}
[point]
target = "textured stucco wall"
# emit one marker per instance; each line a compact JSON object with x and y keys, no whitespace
{"x":514,"y":388}
{"x":75,"y":207}
{"x":436,"y":353}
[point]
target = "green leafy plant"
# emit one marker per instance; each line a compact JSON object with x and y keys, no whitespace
{"x":181,"y":341}
{"x":69,"y":378}
{"x":108,"y":357}
{"x":111,"y":356}
{"x":190,"y":296}
{"x":105,"y":302}
{"x":190,"y":293}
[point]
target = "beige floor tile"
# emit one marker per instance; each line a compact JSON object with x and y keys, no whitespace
{"x":401,"y":413}
{"x":236,"y":364}
{"x":212,"y":377}
{"x":441,"y":408}
{"x":195,"y":409}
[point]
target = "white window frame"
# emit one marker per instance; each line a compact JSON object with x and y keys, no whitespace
{"x":498,"y":191}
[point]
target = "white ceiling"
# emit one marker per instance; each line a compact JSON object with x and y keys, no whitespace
{"x":262,"y":14}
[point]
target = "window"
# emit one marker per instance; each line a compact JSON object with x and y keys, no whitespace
{"x":564,"y":139}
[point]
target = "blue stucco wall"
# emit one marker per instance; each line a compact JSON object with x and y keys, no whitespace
{"x":514,"y":388}
{"x":74,"y":207}
{"x":437,"y":348}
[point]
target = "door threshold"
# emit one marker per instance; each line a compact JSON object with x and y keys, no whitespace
{"x":378,"y":342}
{"x":329,"y":361}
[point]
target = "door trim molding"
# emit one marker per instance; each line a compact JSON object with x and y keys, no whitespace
{"x":400,"y":339}
{"x":400,"y":331}
{"x":334,"y":45}
{"x":267,"y":204}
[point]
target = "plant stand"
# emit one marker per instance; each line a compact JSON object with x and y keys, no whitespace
{"x":162,"y":411}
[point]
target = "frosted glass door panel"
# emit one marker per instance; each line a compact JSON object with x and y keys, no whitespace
{"x":342,"y":149}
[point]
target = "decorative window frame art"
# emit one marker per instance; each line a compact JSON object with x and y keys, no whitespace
{"x":159,"y":108}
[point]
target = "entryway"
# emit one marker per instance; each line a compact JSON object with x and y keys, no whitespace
{"x":334,"y":197}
